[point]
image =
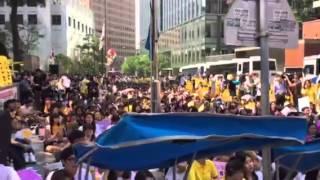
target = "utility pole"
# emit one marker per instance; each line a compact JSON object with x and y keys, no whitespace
{"x":155,"y":83}
{"x":219,"y":21}
{"x":264,"y":52}
{"x":105,"y":37}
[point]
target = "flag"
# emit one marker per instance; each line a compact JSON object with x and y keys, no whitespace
{"x":148,"y":45}
{"x":102,"y":37}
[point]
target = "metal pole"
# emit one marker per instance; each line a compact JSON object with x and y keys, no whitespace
{"x":264,"y":52}
{"x":105,"y":37}
{"x":219,"y":18}
{"x":155,"y":84}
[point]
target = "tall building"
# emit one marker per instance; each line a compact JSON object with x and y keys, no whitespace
{"x":76,"y":23}
{"x":191,"y":30}
{"x":98,"y":8}
{"x":137,"y":24}
{"x":120,"y":27}
{"x":120,"y":24}
{"x":61,"y":24}
{"x":144,"y":21}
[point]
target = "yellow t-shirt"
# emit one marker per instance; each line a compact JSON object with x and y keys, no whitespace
{"x":309,"y":92}
{"x":189,"y":86}
{"x":56,"y":129}
{"x":217,"y":88}
{"x":226,"y":97}
{"x":203,"y":172}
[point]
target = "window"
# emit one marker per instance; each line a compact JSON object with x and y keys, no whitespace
{"x":86,"y":29}
{"x":20,"y":3}
{"x":78,"y":25}
{"x":239,"y":67}
{"x":69,"y":21}
{"x":309,"y":69}
{"x":208,"y":30}
{"x":31,"y":3}
{"x":2,"y":19}
{"x":19,"y":19}
{"x":82,"y":28}
{"x":74,"y":23}
{"x":32,"y":19}
{"x":246,"y":67}
{"x":198,"y":32}
{"x":56,"y":19}
{"x":256,"y":65}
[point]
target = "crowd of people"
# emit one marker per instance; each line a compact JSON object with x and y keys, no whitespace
{"x":65,"y":110}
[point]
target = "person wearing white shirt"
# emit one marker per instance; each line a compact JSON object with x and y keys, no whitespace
{"x":8,"y":173}
{"x":181,"y":169}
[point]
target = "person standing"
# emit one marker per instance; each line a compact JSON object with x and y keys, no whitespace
{"x":6,"y":129}
{"x":203,"y":169}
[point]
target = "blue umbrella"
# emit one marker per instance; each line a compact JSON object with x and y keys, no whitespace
{"x":142,"y":141}
{"x":301,"y":158}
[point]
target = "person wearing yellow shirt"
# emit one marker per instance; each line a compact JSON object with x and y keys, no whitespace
{"x":189,"y":86}
{"x":203,"y":169}
{"x":309,"y":91}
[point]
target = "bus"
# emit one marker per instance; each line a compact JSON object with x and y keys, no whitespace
{"x":193,"y":69}
{"x":311,"y":65}
{"x":240,"y":66}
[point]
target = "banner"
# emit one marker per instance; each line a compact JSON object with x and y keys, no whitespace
{"x":220,"y":168}
{"x":8,"y":93}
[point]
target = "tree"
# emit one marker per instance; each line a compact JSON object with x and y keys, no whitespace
{"x":129,"y":66}
{"x":303,"y":10}
{"x":17,"y":48}
{"x":91,"y":59}
{"x":66,"y":64}
{"x":29,"y":38}
{"x":139,"y":65}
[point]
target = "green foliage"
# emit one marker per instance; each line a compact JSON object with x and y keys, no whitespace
{"x":66,"y":64}
{"x":141,"y":65}
{"x":137,"y":65}
{"x":91,"y":58}
{"x":303,"y":10}
{"x":89,"y":62}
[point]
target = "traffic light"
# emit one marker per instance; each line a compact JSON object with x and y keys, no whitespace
{"x":5,"y":72}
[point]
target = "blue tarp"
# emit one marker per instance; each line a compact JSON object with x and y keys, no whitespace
{"x":142,"y":141}
{"x":302,"y":158}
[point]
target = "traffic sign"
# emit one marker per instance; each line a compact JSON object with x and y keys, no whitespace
{"x":241,"y":24}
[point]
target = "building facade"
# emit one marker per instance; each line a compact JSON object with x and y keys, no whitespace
{"x":62,"y":25}
{"x":120,"y":27}
{"x":144,"y":21}
{"x":191,"y":30}
{"x":77,"y":22}
{"x":98,"y":8}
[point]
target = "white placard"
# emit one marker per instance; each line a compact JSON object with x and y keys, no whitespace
{"x":303,"y":102}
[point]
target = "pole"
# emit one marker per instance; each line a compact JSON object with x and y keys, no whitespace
{"x":155,"y":83}
{"x":219,"y":18}
{"x":264,"y":52}
{"x":105,"y":37}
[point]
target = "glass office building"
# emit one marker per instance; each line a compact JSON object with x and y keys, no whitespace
{"x":191,"y":30}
